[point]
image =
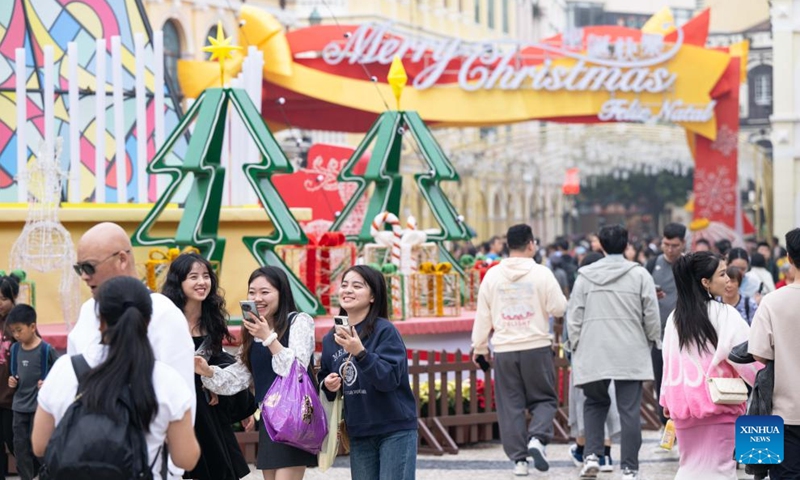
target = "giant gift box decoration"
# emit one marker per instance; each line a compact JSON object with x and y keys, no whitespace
{"x":158,"y":262}
{"x":320,"y":264}
{"x":434,"y":291}
{"x":395,"y":289}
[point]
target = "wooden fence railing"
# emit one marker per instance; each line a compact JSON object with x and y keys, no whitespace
{"x":456,"y":404}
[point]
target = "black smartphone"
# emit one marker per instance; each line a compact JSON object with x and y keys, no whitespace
{"x":482,"y":362}
{"x":248,"y":306}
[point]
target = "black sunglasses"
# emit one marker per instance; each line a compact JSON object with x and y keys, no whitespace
{"x":91,"y":268}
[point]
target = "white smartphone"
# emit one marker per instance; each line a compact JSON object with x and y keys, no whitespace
{"x":248,"y":306}
{"x":341,"y":321}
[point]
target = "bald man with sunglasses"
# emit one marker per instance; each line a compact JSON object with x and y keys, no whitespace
{"x":105,"y":252}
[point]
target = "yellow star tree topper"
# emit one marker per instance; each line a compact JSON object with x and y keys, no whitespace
{"x":397,"y":78}
{"x":220,"y":49}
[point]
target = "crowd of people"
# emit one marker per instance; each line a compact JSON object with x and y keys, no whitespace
{"x":149,"y":369}
{"x":146,"y":389}
{"x":633,"y":313}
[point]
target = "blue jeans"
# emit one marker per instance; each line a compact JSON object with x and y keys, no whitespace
{"x":391,"y":456}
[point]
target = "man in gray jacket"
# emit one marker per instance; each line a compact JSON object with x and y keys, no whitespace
{"x":613,"y":321}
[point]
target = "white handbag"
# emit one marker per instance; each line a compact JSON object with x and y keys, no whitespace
{"x":727,"y":391}
{"x":724,"y":390}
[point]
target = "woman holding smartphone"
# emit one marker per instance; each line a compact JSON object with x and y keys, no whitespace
{"x":271,"y":340}
{"x":366,"y":359}
{"x":192,"y":286}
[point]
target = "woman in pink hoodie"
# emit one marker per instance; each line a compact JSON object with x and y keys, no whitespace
{"x":699,"y":335}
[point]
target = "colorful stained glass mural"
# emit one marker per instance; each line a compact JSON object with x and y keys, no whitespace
{"x":34,"y":24}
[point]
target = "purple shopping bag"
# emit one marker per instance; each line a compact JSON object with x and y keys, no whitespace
{"x":292,"y":411}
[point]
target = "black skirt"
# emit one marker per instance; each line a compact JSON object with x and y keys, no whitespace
{"x":272,"y":455}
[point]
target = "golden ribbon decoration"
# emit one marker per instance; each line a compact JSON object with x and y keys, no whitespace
{"x":435,"y":274}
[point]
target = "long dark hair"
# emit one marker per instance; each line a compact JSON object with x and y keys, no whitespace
{"x":691,"y":311}
{"x":213,"y":315}
{"x":9,"y":287}
{"x":278,"y":279}
{"x":124,"y":306}
{"x":380,"y":305}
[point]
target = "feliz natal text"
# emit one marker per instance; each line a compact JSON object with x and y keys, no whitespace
{"x":674,"y":111}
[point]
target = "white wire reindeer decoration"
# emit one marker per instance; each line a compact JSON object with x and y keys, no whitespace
{"x":44,"y":244}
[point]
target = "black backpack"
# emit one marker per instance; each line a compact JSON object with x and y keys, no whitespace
{"x":93,"y":446}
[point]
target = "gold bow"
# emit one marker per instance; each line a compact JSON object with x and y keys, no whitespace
{"x":440,"y":268}
{"x":258,"y":28}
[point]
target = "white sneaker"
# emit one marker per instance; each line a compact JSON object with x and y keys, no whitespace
{"x":606,"y":464}
{"x":628,"y":474}
{"x":521,"y":468}
{"x":536,"y":450}
{"x":591,"y":466}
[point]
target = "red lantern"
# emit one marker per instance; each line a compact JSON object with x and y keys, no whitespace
{"x":572,"y":182}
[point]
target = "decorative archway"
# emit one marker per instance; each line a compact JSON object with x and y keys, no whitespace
{"x":597,"y":74}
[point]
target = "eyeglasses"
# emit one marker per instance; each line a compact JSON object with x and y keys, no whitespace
{"x":91,"y":268}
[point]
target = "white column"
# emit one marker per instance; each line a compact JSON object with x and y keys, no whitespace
{"x":255,"y":78}
{"x":786,"y":115}
{"x":141,"y":121}
{"x":74,"y":188}
{"x":119,"y":120}
{"x":22,"y":125}
{"x":158,"y":101}
{"x":235,"y":134}
{"x":49,"y":99}
{"x":100,"y":122}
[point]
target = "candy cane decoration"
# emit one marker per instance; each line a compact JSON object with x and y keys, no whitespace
{"x":377,"y":231}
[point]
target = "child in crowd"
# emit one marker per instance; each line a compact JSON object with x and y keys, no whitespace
{"x":31,"y":359}
{"x":9,"y":291}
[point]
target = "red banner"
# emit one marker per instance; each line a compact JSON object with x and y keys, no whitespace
{"x":315,"y":185}
{"x":716,"y":162}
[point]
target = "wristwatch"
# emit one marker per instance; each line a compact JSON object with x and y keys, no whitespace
{"x":361,"y":355}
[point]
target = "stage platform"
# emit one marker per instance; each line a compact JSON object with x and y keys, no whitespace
{"x":435,"y":333}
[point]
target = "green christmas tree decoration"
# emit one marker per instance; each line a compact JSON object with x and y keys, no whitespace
{"x":383,"y":170}
{"x":199,"y":223}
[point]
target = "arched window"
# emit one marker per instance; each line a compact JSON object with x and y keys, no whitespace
{"x":173,"y":50}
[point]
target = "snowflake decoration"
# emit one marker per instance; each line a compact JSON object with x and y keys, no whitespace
{"x":759,"y":455}
{"x":715,"y":191}
{"x":727,"y":142}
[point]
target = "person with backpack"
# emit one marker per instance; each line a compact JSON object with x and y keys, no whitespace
{"x":192,"y":286}
{"x":31,"y":360}
{"x":109,"y":410}
{"x":271,"y":341}
{"x":746,"y":306}
{"x":105,"y":252}
{"x":9,"y":291}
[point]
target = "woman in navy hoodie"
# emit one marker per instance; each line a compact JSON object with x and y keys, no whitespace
{"x":368,"y":361}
